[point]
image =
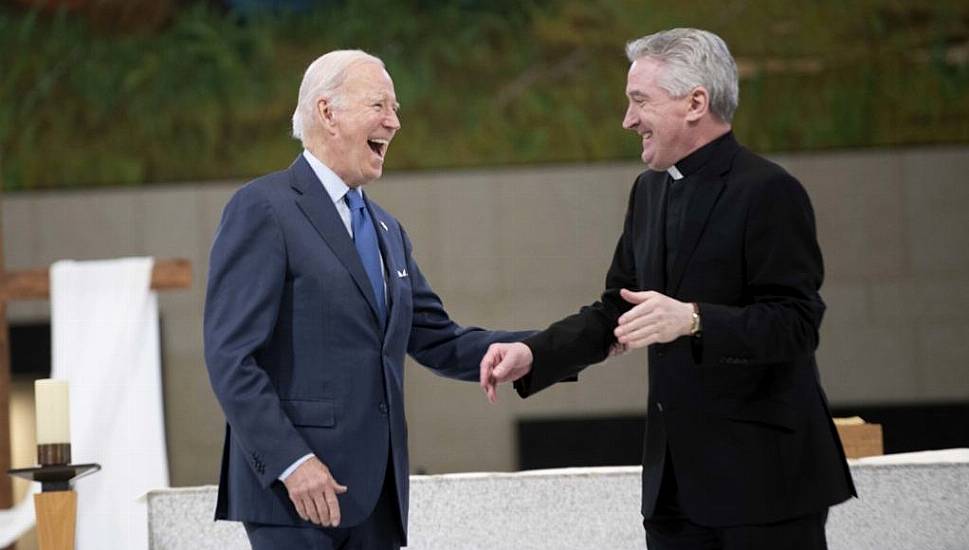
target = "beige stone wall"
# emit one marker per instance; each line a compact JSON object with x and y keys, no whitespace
{"x":520,"y":247}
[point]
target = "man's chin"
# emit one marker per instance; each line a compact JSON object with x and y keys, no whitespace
{"x":653,"y":164}
{"x":648,"y":157}
{"x":650,"y":163}
{"x":370,"y":177}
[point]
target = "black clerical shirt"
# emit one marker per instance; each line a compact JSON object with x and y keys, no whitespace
{"x":678,"y":194}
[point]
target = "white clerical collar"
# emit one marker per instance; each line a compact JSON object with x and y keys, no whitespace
{"x":674,"y":172}
{"x":335,"y":187}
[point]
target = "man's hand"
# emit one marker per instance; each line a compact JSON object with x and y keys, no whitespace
{"x":617,"y":349}
{"x":504,"y":363}
{"x":654,"y":318}
{"x":313,"y":491}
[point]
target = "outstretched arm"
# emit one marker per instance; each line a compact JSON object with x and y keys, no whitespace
{"x":436,"y":341}
{"x":566,"y":347}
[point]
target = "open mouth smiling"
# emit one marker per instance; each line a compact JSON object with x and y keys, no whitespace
{"x":378,"y":146}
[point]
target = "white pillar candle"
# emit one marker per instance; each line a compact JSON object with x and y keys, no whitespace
{"x":52,"y":406}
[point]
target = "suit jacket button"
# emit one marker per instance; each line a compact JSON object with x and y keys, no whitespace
{"x":383,"y":408}
{"x":659,"y":406}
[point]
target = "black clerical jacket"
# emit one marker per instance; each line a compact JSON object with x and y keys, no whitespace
{"x":740,"y":408}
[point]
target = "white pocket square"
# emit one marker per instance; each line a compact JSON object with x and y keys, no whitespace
{"x":382,"y":224}
{"x":401,"y":273}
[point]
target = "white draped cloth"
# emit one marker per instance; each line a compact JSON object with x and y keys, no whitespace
{"x":105,"y":344}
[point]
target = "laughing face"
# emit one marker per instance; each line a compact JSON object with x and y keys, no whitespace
{"x":362,"y":124}
{"x":662,"y":121}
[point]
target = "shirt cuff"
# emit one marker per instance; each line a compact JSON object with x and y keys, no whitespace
{"x":292,"y":468}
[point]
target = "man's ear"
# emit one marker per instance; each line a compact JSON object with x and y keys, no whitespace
{"x":324,"y":114}
{"x":699,"y":104}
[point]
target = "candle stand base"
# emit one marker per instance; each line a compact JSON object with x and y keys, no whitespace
{"x":56,"y":504}
{"x":56,"y":517}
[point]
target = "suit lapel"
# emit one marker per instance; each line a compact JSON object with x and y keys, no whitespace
{"x":705,"y":195}
{"x":316,"y":205}
{"x":388,"y":252}
{"x":392,"y":250}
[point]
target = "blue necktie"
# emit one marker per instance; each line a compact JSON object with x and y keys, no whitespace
{"x":365,"y":239}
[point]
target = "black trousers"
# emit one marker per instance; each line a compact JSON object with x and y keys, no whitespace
{"x":381,"y":531}
{"x":670,"y":529}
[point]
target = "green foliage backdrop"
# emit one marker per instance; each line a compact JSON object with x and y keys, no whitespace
{"x":208,"y":95}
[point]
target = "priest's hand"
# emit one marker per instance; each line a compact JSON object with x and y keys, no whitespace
{"x":313,"y":491}
{"x":504,"y":363}
{"x":654,"y":319}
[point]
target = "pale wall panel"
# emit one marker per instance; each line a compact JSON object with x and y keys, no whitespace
{"x":520,"y":247}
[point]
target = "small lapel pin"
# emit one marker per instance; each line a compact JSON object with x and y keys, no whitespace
{"x":401,"y":274}
{"x":382,"y":224}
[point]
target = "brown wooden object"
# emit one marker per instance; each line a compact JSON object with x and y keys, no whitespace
{"x":56,"y":519}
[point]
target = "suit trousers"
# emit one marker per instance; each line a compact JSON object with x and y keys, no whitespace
{"x":670,"y":529}
{"x":380,"y":531}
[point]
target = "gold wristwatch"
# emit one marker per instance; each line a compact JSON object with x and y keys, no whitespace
{"x":695,"y":328}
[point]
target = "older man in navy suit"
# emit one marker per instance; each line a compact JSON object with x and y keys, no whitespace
{"x":313,"y":300}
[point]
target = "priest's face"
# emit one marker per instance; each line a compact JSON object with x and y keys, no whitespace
{"x":361,"y":124}
{"x":657,"y":117}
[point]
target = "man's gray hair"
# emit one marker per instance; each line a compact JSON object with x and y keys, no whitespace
{"x":693,"y":57}
{"x":322,"y":79}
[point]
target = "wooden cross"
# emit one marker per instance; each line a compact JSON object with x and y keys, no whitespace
{"x":35,"y":284}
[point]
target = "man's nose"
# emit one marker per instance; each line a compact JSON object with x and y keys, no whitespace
{"x":392,"y":120}
{"x":629,"y":121}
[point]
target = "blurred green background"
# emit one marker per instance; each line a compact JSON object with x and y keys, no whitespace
{"x":128,"y":92}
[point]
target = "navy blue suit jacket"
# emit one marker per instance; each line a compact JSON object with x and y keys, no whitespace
{"x":298,"y":357}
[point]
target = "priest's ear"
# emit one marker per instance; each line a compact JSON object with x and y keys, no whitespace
{"x":699,"y":104}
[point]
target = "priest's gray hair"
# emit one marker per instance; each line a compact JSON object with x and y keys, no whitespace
{"x":692,"y":58}
{"x":323,"y":79}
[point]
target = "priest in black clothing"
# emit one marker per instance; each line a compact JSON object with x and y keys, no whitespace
{"x":717,"y":273}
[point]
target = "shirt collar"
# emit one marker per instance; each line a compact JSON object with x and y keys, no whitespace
{"x":692,"y":163}
{"x":674,"y":173}
{"x":334,"y":186}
